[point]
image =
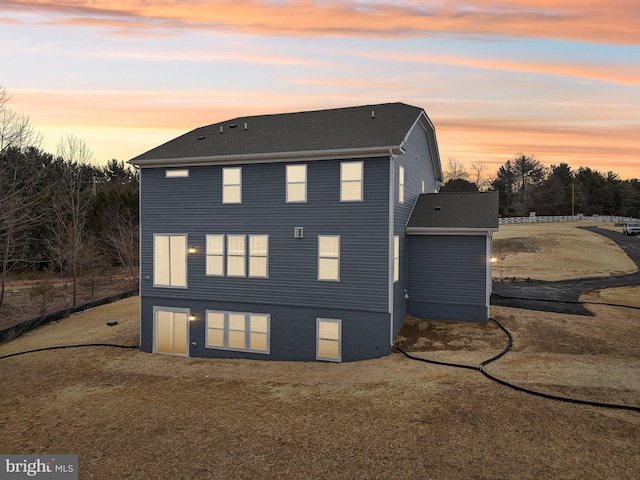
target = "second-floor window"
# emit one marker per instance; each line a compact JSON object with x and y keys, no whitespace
{"x":296,"y":183}
{"x":351,"y":181}
{"x":258,"y":255}
{"x":396,"y":258}
{"x":329,"y":257}
{"x":236,"y":256}
{"x":215,"y":255}
{"x":232,"y":185}
{"x":170,"y":261}
{"x":401,"y":184}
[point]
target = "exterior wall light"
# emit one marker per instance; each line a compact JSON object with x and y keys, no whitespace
{"x":192,"y":250}
{"x":192,"y":317}
{"x":494,"y":260}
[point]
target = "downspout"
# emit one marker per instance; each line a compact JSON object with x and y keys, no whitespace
{"x":392,"y":178}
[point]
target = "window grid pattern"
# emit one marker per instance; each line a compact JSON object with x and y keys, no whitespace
{"x":247,"y":332}
{"x":232,"y":185}
{"x":329,"y":339}
{"x":351,"y":181}
{"x":401,"y":184}
{"x":329,"y":257}
{"x":258,"y":256}
{"x":296,"y":183}
{"x":215,"y":255}
{"x":236,"y":256}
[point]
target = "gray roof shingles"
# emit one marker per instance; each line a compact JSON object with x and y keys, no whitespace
{"x":476,"y":210}
{"x":320,"y":130}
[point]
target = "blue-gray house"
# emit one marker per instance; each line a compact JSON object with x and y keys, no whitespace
{"x":291,"y":236}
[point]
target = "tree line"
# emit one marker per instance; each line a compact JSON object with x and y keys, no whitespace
{"x":60,"y":213}
{"x":525,"y":186}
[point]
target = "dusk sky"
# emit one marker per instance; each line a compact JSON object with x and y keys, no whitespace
{"x":559,"y":79}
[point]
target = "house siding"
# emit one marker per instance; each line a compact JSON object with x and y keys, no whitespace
{"x":292,"y":293}
{"x":447,"y":275}
{"x":417,"y":162}
{"x":292,"y":330}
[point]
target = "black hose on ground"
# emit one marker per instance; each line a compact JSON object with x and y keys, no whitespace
{"x":69,"y":346}
{"x":481,"y":369}
{"x":573,"y":302}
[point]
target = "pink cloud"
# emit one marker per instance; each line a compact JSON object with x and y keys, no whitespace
{"x":612,"y":21}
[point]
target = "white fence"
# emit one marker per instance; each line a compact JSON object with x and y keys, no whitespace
{"x":568,"y":218}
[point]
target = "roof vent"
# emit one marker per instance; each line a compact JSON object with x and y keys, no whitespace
{"x":373,"y":114}
{"x":220,"y":128}
{"x":233,"y":125}
{"x":438,"y":208}
{"x":246,"y":127}
{"x":201,"y":137}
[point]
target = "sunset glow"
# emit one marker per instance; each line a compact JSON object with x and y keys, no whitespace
{"x":559,"y":79}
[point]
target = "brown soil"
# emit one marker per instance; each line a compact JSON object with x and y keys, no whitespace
{"x":556,"y":251}
{"x":138,"y":416}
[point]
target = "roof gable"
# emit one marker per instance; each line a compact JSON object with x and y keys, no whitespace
{"x":470,"y":211}
{"x":381,"y":126}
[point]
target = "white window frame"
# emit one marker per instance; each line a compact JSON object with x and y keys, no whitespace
{"x":176,"y":173}
{"x":400,"y":184}
{"x":322,"y":258}
{"x":290,"y":183}
{"x":248,"y":332}
{"x":320,"y":339}
{"x":350,"y":182}
{"x":253,"y":256}
{"x":171,"y":259}
{"x":396,"y":258}
{"x":217,"y":254}
{"x":173,"y":311}
{"x":232,"y":255}
{"x":228,"y":187}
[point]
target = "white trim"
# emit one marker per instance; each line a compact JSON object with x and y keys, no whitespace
{"x":339,"y":340}
{"x":287,"y":182}
{"x":225,"y":185}
{"x":361,"y":182}
{"x":331,"y":258}
{"x":309,"y":155}
{"x":174,"y":310}
{"x":176,"y":173}
{"x":448,"y":231}
{"x":247,"y":331}
{"x":186,"y":260}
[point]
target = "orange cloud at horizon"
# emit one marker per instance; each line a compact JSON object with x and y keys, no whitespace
{"x":124,"y":124}
{"x":613,"y":21}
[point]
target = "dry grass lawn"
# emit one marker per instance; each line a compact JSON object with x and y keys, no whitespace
{"x":557,"y":251}
{"x":140,"y":416}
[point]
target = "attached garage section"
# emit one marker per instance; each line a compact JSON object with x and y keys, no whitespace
{"x":449,"y":238}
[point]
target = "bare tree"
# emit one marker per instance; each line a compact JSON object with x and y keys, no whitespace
{"x":18,"y":184}
{"x":16,"y":130}
{"x":70,"y":207}
{"x":478,"y":169}
{"x":455,"y":170}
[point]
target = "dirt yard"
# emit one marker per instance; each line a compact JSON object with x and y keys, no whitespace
{"x":556,"y":251}
{"x":139,"y":416}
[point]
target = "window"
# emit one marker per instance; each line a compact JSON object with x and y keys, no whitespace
{"x":215,"y":255}
{"x":351,"y":181}
{"x":422,"y":186}
{"x":401,"y":185}
{"x":328,"y":257}
{"x":258,"y":255}
{"x":235,"y":256}
{"x":169,"y":260}
{"x":232,"y":185}
{"x":396,"y":258}
{"x":329,"y":339}
{"x":176,"y":173}
{"x":296,"y":183}
{"x":248,"y":332}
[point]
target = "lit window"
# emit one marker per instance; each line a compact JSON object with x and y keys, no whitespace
{"x":235,"y":255}
{"x":422,"y":186}
{"x":296,"y":183}
{"x":329,"y":339}
{"x":248,"y":332}
{"x":328,"y":257}
{"x":232,"y":185}
{"x":396,"y":258}
{"x":258,"y":255}
{"x":401,"y":185}
{"x":351,"y":181}
{"x":215,"y":255}
{"x":170,"y":260}
{"x":176,"y":173}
